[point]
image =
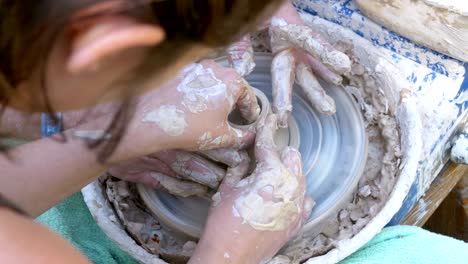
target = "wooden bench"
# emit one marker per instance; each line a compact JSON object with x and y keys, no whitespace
{"x":444,"y":209}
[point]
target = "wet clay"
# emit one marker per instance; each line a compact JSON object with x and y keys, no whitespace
{"x":142,"y":226}
{"x":169,"y":119}
{"x":459,"y":153}
{"x":198,"y":86}
{"x":457,"y":6}
{"x":207,"y":141}
{"x":179,"y":187}
{"x":273,"y":214}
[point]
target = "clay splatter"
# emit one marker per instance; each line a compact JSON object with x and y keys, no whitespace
{"x":169,"y":118}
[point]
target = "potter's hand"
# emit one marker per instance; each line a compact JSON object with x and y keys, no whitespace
{"x":253,"y":218}
{"x":299,"y":55}
{"x":191,"y":112}
{"x":184,"y":173}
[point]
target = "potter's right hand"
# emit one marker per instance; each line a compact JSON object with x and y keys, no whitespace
{"x":253,"y":218}
{"x":185,"y":173}
{"x":191,"y":113}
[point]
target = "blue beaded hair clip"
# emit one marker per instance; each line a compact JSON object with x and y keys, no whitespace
{"x":48,"y":127}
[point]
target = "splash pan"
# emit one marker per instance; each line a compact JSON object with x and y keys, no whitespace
{"x":333,"y":148}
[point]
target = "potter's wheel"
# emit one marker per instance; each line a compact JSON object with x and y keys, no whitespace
{"x":333,"y":149}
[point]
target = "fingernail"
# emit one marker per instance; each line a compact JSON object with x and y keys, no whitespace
{"x":291,"y":152}
{"x":283,"y":119}
{"x":308,"y":206}
{"x":291,"y":157}
{"x":328,"y":106}
{"x":338,"y":60}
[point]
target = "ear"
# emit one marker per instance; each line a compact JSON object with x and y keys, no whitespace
{"x":108,"y":36}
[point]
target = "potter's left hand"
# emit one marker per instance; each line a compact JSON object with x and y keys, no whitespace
{"x":253,"y":218}
{"x":299,"y":55}
{"x":184,"y":173}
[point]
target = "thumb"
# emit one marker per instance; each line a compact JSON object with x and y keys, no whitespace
{"x":291,"y":158}
{"x":265,"y":147}
{"x":238,"y":138}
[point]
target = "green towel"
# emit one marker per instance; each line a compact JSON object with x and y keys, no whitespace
{"x":408,"y":245}
{"x":398,"y":244}
{"x":73,"y":221}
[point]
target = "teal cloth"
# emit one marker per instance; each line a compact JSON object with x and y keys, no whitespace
{"x":408,"y":245}
{"x":398,"y":244}
{"x":72,"y":220}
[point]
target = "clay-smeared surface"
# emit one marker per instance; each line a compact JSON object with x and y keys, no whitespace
{"x":273,"y":214}
{"x":142,"y":226}
{"x":457,"y":6}
{"x":198,"y":86}
{"x":459,"y":151}
{"x":168,"y":118}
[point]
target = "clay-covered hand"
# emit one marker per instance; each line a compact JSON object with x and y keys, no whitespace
{"x":184,"y":173}
{"x":300,"y":54}
{"x":251,"y":219}
{"x":191,"y":113}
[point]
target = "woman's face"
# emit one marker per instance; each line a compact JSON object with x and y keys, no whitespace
{"x":86,"y":68}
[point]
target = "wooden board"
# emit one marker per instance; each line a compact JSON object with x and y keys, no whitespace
{"x":442,"y":185}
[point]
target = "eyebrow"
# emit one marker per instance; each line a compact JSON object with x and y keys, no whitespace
{"x":4,"y":202}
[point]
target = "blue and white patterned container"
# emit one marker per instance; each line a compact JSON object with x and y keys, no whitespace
{"x":439,"y":85}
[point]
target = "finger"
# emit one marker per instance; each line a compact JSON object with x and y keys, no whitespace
{"x":314,"y":91}
{"x":236,"y":138}
{"x":179,"y":187}
{"x":323,"y":72}
{"x":143,"y":177}
{"x":265,"y":148}
{"x":247,"y":103}
{"x":138,"y":170}
{"x":282,"y":73}
{"x":305,"y":38}
{"x":229,"y":156}
{"x":240,"y":138}
{"x":193,"y":167}
{"x":156,"y":165}
{"x":291,"y":158}
{"x":235,"y":174}
{"x":240,"y":56}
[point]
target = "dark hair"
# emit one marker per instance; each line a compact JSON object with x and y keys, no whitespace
{"x":29,"y":28}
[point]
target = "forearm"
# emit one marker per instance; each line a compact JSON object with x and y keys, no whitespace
{"x":19,"y":124}
{"x":216,"y":247}
{"x":44,"y":172}
{"x":210,"y":254}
